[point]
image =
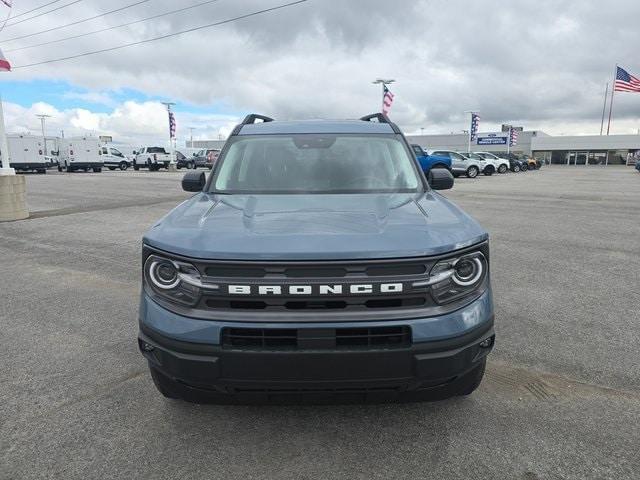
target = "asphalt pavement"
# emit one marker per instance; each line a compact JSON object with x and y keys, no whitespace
{"x":561,"y":398}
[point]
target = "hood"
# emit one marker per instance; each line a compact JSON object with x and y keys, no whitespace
{"x":314,"y":227}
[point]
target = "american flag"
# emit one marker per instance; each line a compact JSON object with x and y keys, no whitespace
{"x":387,"y":100}
{"x":172,"y":125}
{"x":5,"y":66}
{"x":626,"y":82}
{"x":513,"y":137}
{"x":475,"y":123}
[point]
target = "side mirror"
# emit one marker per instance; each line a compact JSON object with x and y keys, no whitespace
{"x":134,"y":153}
{"x":193,"y":181}
{"x":440,"y":179}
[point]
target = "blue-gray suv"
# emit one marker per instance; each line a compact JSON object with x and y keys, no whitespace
{"x":316,"y":262}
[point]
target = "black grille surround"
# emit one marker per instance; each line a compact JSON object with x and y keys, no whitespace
{"x":411,"y":302}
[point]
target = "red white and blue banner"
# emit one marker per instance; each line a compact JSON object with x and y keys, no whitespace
{"x":513,"y":137}
{"x":475,"y":124}
{"x":5,"y":66}
{"x":387,"y":100}
{"x":172,"y":125}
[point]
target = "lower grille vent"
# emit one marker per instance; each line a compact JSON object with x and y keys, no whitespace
{"x":316,"y":338}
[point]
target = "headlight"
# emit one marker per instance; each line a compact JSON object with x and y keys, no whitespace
{"x":173,"y":280}
{"x":455,"y":278}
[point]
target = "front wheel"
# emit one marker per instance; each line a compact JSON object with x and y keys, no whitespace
{"x":192,"y":165}
{"x":123,"y":166}
{"x":135,"y":166}
{"x":488,"y":171}
{"x":516,"y":168}
{"x":96,"y":169}
{"x":111,"y":168}
{"x":472,"y":172}
{"x":502,"y":168}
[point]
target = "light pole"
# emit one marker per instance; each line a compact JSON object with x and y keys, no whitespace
{"x":384,"y":83}
{"x":43,"y":118}
{"x":422,"y":131}
{"x":172,"y":153}
{"x":191,"y":129}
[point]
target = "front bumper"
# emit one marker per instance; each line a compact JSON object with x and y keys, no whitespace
{"x":442,"y":351}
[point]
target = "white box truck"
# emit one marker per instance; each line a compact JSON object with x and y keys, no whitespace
{"x":79,"y":153}
{"x":26,"y":153}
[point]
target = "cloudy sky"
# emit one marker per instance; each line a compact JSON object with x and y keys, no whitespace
{"x":542,"y":64}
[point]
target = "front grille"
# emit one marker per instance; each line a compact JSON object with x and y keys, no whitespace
{"x":316,"y":338}
{"x":341,"y":303}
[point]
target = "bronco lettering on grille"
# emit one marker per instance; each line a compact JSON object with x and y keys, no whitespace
{"x":333,"y":289}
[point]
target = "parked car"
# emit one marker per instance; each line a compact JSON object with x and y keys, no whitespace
{"x":638,"y":165}
{"x":462,"y":165}
{"x":501,"y":165}
{"x":427,"y":162}
{"x":314,"y":263}
{"x":532,"y":163}
{"x":488,"y":167}
{"x":114,"y":158}
{"x":206,"y":157}
{"x":153,"y":158}
{"x":182,"y":161}
{"x":515,"y":163}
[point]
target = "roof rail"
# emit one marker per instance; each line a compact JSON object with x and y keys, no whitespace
{"x":382,"y":118}
{"x":250,"y":119}
{"x":253,"y":117}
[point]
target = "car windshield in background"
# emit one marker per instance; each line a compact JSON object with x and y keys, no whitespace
{"x":475,"y":156}
{"x":317,"y":164}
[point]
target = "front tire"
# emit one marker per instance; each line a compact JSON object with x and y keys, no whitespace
{"x":472,"y":172}
{"x":502,"y":168}
{"x":123,"y":166}
{"x":96,"y":169}
{"x":489,"y":171}
{"x":111,"y":168}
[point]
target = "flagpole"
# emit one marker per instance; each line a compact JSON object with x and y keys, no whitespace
{"x":613,"y":91}
{"x":604,"y":107}
{"x":4,"y":147}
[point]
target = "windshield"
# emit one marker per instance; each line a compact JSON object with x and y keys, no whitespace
{"x":313,"y":163}
{"x":475,"y":156}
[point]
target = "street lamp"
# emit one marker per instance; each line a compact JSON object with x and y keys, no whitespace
{"x":384,"y":83}
{"x":43,"y":118}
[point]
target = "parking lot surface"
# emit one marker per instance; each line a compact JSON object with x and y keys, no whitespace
{"x":561,"y":398}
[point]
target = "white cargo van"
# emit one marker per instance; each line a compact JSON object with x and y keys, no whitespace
{"x":113,"y":158}
{"x":26,"y":153}
{"x":80,"y":153}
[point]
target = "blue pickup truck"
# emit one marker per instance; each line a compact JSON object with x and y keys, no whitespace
{"x":427,"y":162}
{"x":316,"y":261}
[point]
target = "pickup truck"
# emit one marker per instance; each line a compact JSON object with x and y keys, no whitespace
{"x":316,"y":261}
{"x":153,"y":158}
{"x":427,"y":162}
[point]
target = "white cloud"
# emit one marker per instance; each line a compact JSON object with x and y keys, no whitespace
{"x":128,"y":123}
{"x":541,"y":64}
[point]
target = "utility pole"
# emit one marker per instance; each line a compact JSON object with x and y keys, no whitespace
{"x":384,"y":83}
{"x":421,"y":130}
{"x":171,"y":146}
{"x":191,"y":129}
{"x":43,"y":118}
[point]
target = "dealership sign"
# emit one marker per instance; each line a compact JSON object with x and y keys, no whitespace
{"x":492,"y":139}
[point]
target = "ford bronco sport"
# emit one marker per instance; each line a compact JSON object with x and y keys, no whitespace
{"x":316,"y":260}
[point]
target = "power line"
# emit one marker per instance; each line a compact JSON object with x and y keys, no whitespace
{"x":112,"y":27}
{"x":174,"y":34}
{"x":34,"y":9}
{"x":78,"y":21}
{"x":44,"y":13}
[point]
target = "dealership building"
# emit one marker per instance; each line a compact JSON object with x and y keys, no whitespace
{"x":558,"y":150}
